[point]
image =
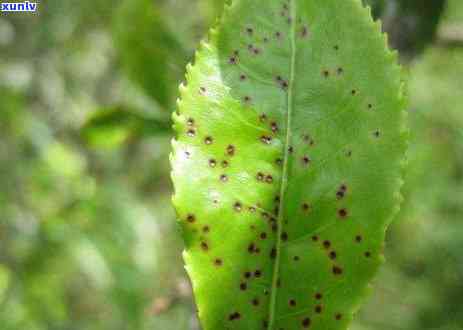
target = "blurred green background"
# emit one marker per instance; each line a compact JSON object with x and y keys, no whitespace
{"x":88,"y":238}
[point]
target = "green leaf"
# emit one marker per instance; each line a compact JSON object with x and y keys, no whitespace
{"x":287,"y":163}
{"x":111,"y":127}
{"x":150,"y":53}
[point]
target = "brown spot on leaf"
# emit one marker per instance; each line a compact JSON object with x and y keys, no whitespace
{"x":337,"y":270}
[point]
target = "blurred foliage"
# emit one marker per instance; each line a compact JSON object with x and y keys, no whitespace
{"x":112,"y":127}
{"x":151,"y":54}
{"x":412,"y":24}
{"x":87,"y":234}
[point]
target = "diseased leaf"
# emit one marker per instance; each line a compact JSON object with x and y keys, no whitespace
{"x":287,"y":163}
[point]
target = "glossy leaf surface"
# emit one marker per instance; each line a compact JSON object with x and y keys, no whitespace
{"x":287,"y":163}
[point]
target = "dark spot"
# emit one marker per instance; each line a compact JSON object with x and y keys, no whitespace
{"x":290,"y":149}
{"x":305,"y":160}
{"x":318,"y":296}
{"x":191,"y":132}
{"x":266,"y":139}
{"x":284,"y":236}
{"x":265,"y":39}
{"x":292,"y":303}
{"x":353,"y":92}
{"x":337,"y":270}
{"x":338,"y":316}
{"x":208,"y":140}
{"x":247,"y":99}
{"x":284,"y":85}
{"x":340,"y":71}
{"x":306,"y":322}
{"x":370,"y":106}
{"x":325,"y":73}
{"x":251,"y":248}
{"x":187,"y":154}
{"x":260,"y":176}
{"x":206,"y":229}
{"x":279,"y":161}
{"x":243,"y":286}
{"x":242,"y":77}
{"x":333,"y":255}
{"x":224,"y":178}
{"x":202,"y":90}
{"x":377,"y":134}
{"x":340,"y":195}
{"x":263,"y":235}
{"x":190,"y":122}
{"x":274,"y":127}
{"x":255,"y":302}
{"x":269,"y":179}
{"x":349,"y":153}
{"x":234,"y":316}
{"x":212,"y":162}
{"x":343,"y":213}
{"x":273,"y":253}
{"x":256,"y":51}
{"x":368,"y":254}
{"x":296,"y":258}
{"x":218,"y":262}
{"x":305,"y":207}
{"x":336,"y":47}
{"x":318,"y":309}
{"x":230,"y":150}
{"x":278,"y":283}
{"x":277,"y":199}
{"x":233,"y":60}
{"x":278,"y":34}
{"x":304,"y":31}
{"x":204,"y":246}
{"x":257,"y":273}
{"x":225,"y":164}
{"x":358,"y":238}
{"x":263,"y":117}
{"x":250,"y":30}
{"x":237,"y":206}
{"x":326,"y":244}
{"x":191,"y":218}
{"x":315,"y":238}
{"x":252,"y":209}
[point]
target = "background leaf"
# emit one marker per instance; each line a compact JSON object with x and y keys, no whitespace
{"x":113,"y":126}
{"x":149,"y":52}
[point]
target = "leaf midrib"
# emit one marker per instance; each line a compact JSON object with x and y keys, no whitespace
{"x":284,"y":179}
